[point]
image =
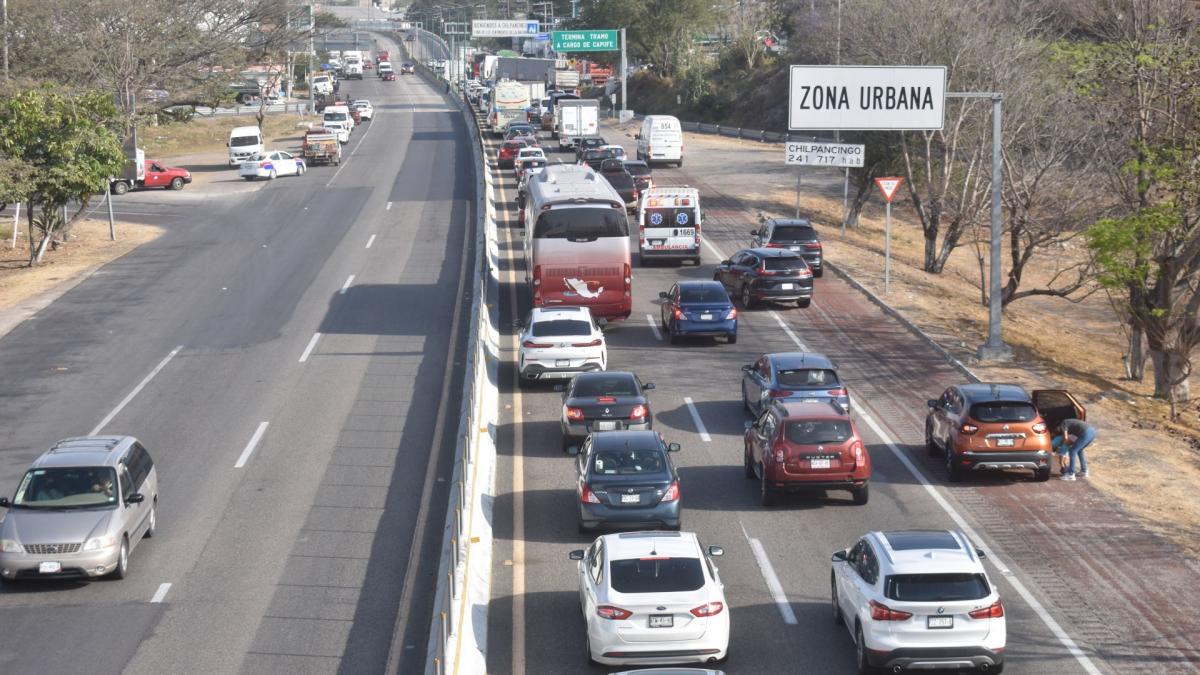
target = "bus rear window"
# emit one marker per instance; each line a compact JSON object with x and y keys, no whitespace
{"x":581,"y":224}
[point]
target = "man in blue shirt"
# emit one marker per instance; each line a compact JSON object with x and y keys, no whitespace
{"x":1084,"y":434}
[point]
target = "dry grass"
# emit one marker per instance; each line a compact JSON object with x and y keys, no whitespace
{"x":88,"y":248}
{"x":1147,"y":462}
{"x":210,"y":134}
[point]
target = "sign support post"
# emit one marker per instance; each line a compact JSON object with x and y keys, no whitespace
{"x":624,"y":76}
{"x":814,"y":153}
{"x":799,"y":176}
{"x":888,"y":187}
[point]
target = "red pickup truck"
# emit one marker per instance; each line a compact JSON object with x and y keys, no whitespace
{"x":147,"y":173}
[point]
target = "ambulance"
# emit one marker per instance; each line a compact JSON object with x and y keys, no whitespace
{"x":669,"y":220}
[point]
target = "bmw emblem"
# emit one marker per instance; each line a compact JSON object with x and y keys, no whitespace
{"x":941,"y":610}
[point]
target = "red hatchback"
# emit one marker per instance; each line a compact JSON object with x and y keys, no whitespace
{"x":794,"y":446}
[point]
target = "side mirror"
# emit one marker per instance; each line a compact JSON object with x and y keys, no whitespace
{"x":577,"y":554}
{"x":135,"y":498}
{"x":725,"y":263}
{"x":573,"y":450}
{"x":560,"y":387}
{"x":673,"y":447}
{"x":839,"y":556}
{"x":932,"y":403}
{"x":4,"y":502}
{"x":716,"y":551}
{"x":637,"y":137}
{"x":753,"y":233}
{"x":518,"y":324}
{"x":648,"y":386}
{"x":746,"y":368}
{"x":979,"y":552}
{"x":662,"y":294}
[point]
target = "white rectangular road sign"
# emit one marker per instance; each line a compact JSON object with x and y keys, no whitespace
{"x":866,"y":97}
{"x":504,"y":28}
{"x":823,"y":154}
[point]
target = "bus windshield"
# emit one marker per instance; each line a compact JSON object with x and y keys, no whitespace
{"x":581,"y":224}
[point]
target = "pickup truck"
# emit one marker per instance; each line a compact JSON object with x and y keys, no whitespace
{"x":146,"y":173}
{"x":322,"y":146}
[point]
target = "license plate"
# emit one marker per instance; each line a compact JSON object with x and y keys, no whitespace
{"x":1005,"y":442}
{"x":786,"y":287}
{"x":819,"y":463}
{"x":605,"y":426}
{"x":562,"y":363}
{"x":49,"y":567}
{"x":630,"y":499}
{"x":941,"y":622}
{"x":706,"y":317}
{"x":662,"y":621}
{"x":794,"y":248}
{"x":657,"y":242}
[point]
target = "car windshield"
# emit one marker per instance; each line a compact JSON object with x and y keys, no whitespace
{"x":243,"y":141}
{"x":628,"y":462}
{"x":335,"y":117}
{"x":807,"y":377}
{"x":67,"y":488}
{"x":784,"y":264}
{"x":656,"y":575}
{"x":605,"y":386}
{"x":1003,"y":411}
{"x":936,"y":587}
{"x":794,"y":233}
{"x":817,"y":432}
{"x":703,"y":294}
{"x":560,"y":327}
{"x":581,"y":224}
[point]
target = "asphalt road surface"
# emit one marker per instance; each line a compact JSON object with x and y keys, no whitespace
{"x":287,"y":355}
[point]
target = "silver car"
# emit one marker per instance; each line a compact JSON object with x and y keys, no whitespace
{"x":80,"y":510}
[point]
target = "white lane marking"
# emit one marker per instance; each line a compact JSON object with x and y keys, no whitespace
{"x":311,"y":345}
{"x":345,"y":286}
{"x":788,"y":330}
{"x":388,"y":207}
{"x":347,"y":160}
{"x":773,"y":585}
{"x":1038,"y":608}
{"x":696,"y":418}
{"x":654,"y":327}
{"x":370,"y":241}
{"x":258,"y":434}
{"x":161,"y":593}
{"x":136,"y":390}
{"x":711,"y":247}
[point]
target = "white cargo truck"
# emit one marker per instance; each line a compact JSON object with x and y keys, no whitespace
{"x":575,"y":118}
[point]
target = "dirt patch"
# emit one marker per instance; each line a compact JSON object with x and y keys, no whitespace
{"x":88,"y":248}
{"x":1150,"y":464}
{"x":209,"y":135}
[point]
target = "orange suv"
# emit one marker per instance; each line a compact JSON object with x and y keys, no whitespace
{"x":996,"y":426}
{"x":795,"y":446}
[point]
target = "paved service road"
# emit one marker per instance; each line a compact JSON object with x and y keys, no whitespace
{"x":302,"y":344}
{"x":776,"y":565}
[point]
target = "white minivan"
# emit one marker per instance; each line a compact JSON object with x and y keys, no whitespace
{"x":660,"y":140}
{"x":669,"y":221}
{"x":244,"y":143}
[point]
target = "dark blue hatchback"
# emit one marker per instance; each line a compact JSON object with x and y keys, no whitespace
{"x":698,"y":308}
{"x":792,"y":376}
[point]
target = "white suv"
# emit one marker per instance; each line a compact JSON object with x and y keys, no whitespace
{"x":559,"y":343}
{"x":918,"y":599}
{"x":652,"y":598}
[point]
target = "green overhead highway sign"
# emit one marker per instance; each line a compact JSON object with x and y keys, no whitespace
{"x":585,"y":41}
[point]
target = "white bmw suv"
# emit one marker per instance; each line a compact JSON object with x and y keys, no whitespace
{"x":652,"y":598}
{"x":559,"y":343}
{"x":918,"y":599}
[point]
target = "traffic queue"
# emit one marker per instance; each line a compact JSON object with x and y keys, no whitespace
{"x":650,"y":592}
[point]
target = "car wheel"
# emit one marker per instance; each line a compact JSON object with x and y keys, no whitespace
{"x":997,"y":669}
{"x":731,"y":339}
{"x":584,"y":529}
{"x":120,"y":188}
{"x":677,"y":526}
{"x":819,"y":271}
{"x":675,"y":338}
{"x":862,"y":494}
{"x":247,"y":177}
{"x":122,"y":561}
{"x":1041,"y":475}
{"x":765,"y":493}
{"x":833,"y":601}
{"x":152,"y":528}
{"x":300,"y":169}
{"x":746,"y":401}
{"x":566,"y":443}
{"x":953,"y":469}
{"x":272,"y":176}
{"x":804,"y":303}
{"x":747,"y":298}
{"x":587,"y":646}
{"x":930,"y":446}
{"x":747,"y":465}
{"x":864,"y":666}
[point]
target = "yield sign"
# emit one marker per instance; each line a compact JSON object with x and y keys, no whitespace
{"x":888,"y":187}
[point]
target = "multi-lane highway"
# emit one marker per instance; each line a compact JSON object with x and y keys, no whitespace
{"x":291,"y":356}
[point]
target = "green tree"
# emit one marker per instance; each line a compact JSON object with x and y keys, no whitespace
{"x":66,"y":145}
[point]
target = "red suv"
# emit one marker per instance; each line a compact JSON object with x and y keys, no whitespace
{"x":795,"y":446}
{"x":508,"y":152}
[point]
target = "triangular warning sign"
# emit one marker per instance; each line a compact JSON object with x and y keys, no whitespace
{"x":888,"y":187}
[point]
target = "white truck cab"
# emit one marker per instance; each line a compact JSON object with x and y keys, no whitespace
{"x":244,"y":143}
{"x":669,"y":220}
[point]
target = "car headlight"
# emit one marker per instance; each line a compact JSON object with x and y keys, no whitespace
{"x":11,"y":546}
{"x":100,"y":543}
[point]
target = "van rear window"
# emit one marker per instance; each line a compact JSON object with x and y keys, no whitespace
{"x":243,"y":141}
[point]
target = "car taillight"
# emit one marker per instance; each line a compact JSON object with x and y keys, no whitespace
{"x":587,"y":496}
{"x":968,"y":428}
{"x":536,"y":345}
{"x":1039,"y":428}
{"x":881,"y":612}
{"x":836,"y":392}
{"x":606,"y":399}
{"x":732,"y":314}
{"x":593,"y":343}
{"x":858,"y":452}
{"x":537,"y":275}
{"x":993,"y":611}
{"x":638,"y":413}
{"x":708,"y":609}
{"x":804,"y":273}
{"x":574,"y":413}
{"x":262,"y":164}
{"x":813,"y":246}
{"x":614,"y":613}
{"x":766,"y":272}
{"x":672,"y":492}
{"x":774,"y":245}
{"x":678,"y":313}
{"x":780,"y":452}
{"x":778,"y":393}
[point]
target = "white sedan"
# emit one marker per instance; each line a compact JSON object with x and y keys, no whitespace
{"x":272,"y":163}
{"x":526,"y":156}
{"x":365,"y":110}
{"x":652,"y":598}
{"x":559,"y":343}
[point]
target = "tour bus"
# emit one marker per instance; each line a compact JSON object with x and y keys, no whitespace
{"x":577,"y":242}
{"x":669,"y":224}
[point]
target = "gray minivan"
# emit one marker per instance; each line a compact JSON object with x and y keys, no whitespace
{"x":79,"y":511}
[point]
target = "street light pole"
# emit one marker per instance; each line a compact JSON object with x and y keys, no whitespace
{"x":4,"y":20}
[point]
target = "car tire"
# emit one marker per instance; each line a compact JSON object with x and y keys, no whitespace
{"x":1041,"y":475}
{"x":122,"y":569}
{"x":272,"y":176}
{"x":931,"y":447}
{"x":674,"y":338}
{"x":838,"y":620}
{"x":566,"y":444}
{"x":120,"y":187}
{"x":819,"y":271}
{"x":765,"y":493}
{"x":677,"y":526}
{"x":731,"y":339}
{"x":679,"y":163}
{"x":152,"y":528}
{"x":861,"y":495}
{"x":747,"y":298}
{"x":747,"y":465}
{"x":587,"y":647}
{"x":177,"y":183}
{"x":954,"y":470}
{"x":247,"y":177}
{"x":863,"y":666}
{"x":803,"y":304}
{"x":746,"y":401}
{"x":584,"y":529}
{"x":300,"y":169}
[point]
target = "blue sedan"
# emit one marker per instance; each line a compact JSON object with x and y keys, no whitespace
{"x":698,"y":308}
{"x":792,"y":376}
